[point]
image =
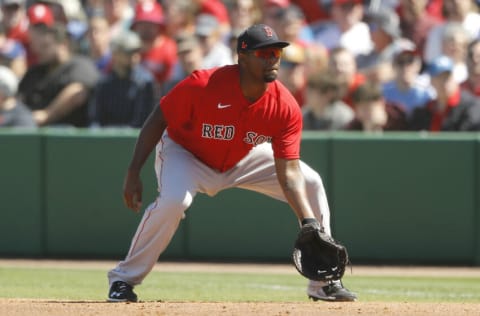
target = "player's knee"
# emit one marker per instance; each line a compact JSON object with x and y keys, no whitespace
{"x":177,"y":202}
{"x":313,"y":179}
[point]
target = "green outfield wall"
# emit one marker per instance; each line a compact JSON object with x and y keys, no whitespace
{"x":408,"y":198}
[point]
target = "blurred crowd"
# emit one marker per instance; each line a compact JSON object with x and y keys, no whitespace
{"x":372,"y":65}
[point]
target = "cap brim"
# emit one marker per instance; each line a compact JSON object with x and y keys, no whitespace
{"x":272,"y":44}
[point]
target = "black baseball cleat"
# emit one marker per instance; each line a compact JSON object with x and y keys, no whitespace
{"x":121,"y":292}
{"x":332,"y":292}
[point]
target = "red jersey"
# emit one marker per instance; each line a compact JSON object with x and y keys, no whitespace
{"x":208,"y":115}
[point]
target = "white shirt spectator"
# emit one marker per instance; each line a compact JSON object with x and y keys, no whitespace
{"x":433,"y":44}
{"x":356,"y":40}
{"x":219,"y":55}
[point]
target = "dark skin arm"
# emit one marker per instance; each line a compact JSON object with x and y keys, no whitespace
{"x":293,"y":185}
{"x":149,"y":136}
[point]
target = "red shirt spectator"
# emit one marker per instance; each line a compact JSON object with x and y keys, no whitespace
{"x":357,"y":80}
{"x":38,"y":15}
{"x":439,"y":116}
{"x":434,"y":8}
{"x":314,"y":11}
{"x":343,"y":66}
{"x":161,"y":58}
{"x":15,"y":21}
{"x":158,"y":52}
{"x":453,"y":109}
{"x":215,"y":8}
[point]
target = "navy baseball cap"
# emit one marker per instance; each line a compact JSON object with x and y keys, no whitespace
{"x":259,"y":36}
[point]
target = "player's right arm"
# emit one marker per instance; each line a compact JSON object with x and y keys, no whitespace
{"x":149,"y":136}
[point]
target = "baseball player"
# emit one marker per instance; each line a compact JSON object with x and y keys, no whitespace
{"x":233,"y":126}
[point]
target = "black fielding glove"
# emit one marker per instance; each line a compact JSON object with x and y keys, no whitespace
{"x":316,"y":255}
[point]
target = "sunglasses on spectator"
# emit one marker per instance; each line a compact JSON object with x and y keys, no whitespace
{"x":267,"y":53}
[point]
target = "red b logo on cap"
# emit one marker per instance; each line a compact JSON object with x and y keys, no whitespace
{"x":268,"y":31}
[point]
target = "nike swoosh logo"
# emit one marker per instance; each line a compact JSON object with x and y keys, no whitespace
{"x":222,"y":106}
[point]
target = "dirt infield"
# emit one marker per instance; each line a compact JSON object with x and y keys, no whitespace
{"x":17,"y":307}
{"x":14,"y":307}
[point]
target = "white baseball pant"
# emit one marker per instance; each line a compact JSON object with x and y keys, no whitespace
{"x":180,"y":177}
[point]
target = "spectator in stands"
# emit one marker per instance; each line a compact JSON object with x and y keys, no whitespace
{"x":408,"y":88}
{"x":179,"y":17}
{"x":92,"y":7}
{"x":324,"y":110}
{"x":119,"y":14}
{"x":290,"y":25}
{"x":472,"y":84}
{"x":387,"y":41}
{"x":57,"y":88}
{"x":292,"y":71}
{"x":215,"y":52}
{"x":342,"y":65}
{"x":416,"y":22}
{"x":159,"y":52}
{"x":218,"y":9}
{"x":125,"y":96}
{"x":13,"y":113}
{"x":454,"y":45}
{"x":14,"y":20}
{"x":99,"y":42}
{"x":39,"y":16}
{"x":12,"y":54}
{"x":460,"y":11}
{"x":346,"y":28}
{"x":72,"y":15}
{"x":190,"y":58}
{"x":269,"y":10}
{"x":373,"y":113}
{"x":242,"y":14}
{"x":315,"y":11}
{"x":316,"y":57}
{"x":452,"y":109}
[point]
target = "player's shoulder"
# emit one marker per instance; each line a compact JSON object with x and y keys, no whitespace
{"x":215,"y":76}
{"x":280,"y":92}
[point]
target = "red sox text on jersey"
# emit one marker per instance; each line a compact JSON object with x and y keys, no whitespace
{"x":222,"y":132}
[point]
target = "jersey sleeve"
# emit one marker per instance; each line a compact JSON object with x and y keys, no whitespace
{"x":175,"y":104}
{"x":286,"y":144}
